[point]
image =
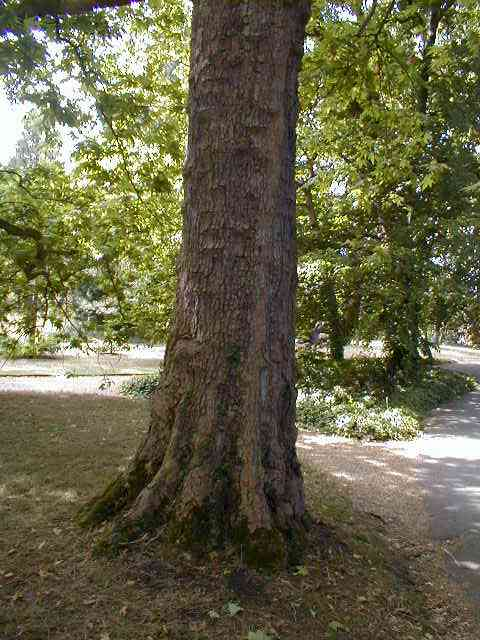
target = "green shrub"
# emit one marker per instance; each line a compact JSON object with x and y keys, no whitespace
{"x":42,"y":346}
{"x":350,"y":399}
{"x":435,"y":387}
{"x":143,"y":386}
{"x":317,"y":372}
{"x":339,"y":413}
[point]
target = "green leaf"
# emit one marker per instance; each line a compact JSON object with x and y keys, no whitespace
{"x":258,"y":635}
{"x":334,"y":627}
{"x":233,"y":608}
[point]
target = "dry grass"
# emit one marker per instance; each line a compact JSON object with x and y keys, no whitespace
{"x":57,"y":450}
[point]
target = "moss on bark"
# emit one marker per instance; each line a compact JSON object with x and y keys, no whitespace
{"x":221,"y":446}
{"x":263,"y":548}
{"x":118,"y":495}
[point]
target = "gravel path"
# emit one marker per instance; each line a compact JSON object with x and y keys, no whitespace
{"x":75,"y":372}
{"x":97,"y":385}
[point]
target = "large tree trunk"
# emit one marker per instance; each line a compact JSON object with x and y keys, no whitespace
{"x":219,"y":463}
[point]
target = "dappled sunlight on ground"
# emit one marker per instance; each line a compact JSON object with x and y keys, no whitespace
{"x":372,"y":475}
{"x":310,"y":441}
{"x":442,"y":466}
{"x":426,"y":487}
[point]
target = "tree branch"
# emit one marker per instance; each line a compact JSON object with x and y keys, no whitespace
{"x":43,"y":8}
{"x":369,"y":17}
{"x":438,"y":11}
{"x":312,"y":214}
{"x":27,"y":233}
{"x":21,"y":184}
{"x":89,"y":80}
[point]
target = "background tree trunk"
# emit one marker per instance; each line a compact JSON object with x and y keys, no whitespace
{"x":336,"y":331}
{"x":219,"y":462}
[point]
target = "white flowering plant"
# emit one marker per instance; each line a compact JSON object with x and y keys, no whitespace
{"x":354,"y":417}
{"x":348,"y":399}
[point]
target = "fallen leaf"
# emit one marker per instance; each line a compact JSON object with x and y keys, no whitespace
{"x":232,"y":608}
{"x":258,"y":635}
{"x":214,"y":615}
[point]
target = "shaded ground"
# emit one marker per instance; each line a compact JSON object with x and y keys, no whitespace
{"x":373,"y":571}
{"x":365,"y":576}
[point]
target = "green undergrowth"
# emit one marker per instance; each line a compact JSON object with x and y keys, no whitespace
{"x":143,"y":386}
{"x":43,"y":346}
{"x":350,"y":398}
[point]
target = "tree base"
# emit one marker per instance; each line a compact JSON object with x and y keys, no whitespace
{"x":264,"y":549}
{"x":118,"y":495}
{"x":200,"y":534}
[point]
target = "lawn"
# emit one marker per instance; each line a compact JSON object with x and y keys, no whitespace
{"x":57,"y":450}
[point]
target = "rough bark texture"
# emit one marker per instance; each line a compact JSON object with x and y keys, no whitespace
{"x":219,"y":463}
{"x":336,"y":330}
{"x":402,"y":339}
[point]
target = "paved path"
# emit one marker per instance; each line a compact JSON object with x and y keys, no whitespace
{"x":448,"y":468}
{"x":446,"y":459}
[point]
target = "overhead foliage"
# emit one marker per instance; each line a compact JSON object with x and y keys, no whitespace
{"x":388,"y":156}
{"x":388,"y":170}
{"x":118,"y":82}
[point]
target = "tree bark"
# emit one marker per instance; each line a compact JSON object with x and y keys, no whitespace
{"x":402,"y":338}
{"x":336,"y":331}
{"x":219,"y":463}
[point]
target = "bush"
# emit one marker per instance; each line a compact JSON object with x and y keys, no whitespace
{"x":435,"y":387}
{"x":350,"y":399}
{"x":43,"y":346}
{"x":141,"y":386}
{"x":359,"y":375}
{"x":339,"y":413}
